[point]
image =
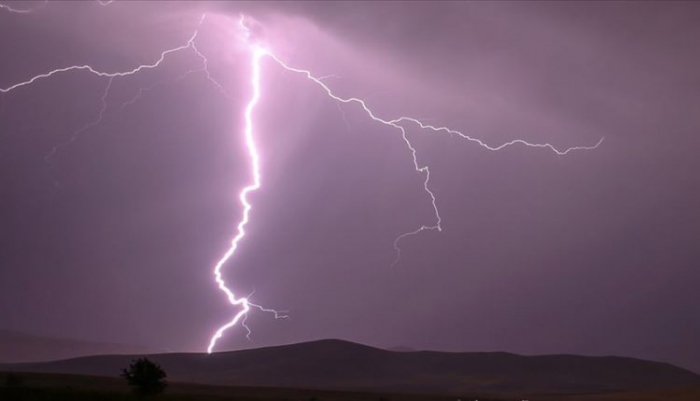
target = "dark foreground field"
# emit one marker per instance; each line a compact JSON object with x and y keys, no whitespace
{"x":55,"y":387}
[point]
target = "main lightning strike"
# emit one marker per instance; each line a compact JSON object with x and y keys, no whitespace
{"x":258,"y":52}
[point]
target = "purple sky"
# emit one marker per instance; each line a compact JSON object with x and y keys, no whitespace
{"x":596,"y":252}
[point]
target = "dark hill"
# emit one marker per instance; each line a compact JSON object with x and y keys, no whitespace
{"x":21,"y":347}
{"x":334,"y":364}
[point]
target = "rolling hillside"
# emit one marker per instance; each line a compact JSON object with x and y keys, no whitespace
{"x":19,"y":347}
{"x":340,"y":365}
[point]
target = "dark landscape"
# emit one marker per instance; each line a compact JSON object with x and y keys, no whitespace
{"x":335,"y":369}
{"x":50,"y":387}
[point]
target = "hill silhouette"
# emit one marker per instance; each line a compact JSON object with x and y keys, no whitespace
{"x":21,"y":347}
{"x":342,"y":365}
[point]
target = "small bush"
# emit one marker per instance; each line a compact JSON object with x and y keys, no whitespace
{"x":146,"y":377}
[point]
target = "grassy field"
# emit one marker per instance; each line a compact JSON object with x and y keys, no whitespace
{"x":56,"y":387}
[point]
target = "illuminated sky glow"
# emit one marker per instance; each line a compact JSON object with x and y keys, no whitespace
{"x":535,"y":230}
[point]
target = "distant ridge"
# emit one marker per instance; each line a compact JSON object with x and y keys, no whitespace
{"x":21,"y":347}
{"x":401,"y":348}
{"x":342,"y":365}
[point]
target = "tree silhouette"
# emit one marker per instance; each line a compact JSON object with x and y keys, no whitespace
{"x":146,"y":377}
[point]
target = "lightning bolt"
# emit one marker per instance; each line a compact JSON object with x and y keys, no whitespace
{"x":259,"y":52}
{"x":98,"y":73}
{"x":149,"y":88}
{"x":87,"y":126}
{"x":6,"y":7}
{"x":424,"y":170}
